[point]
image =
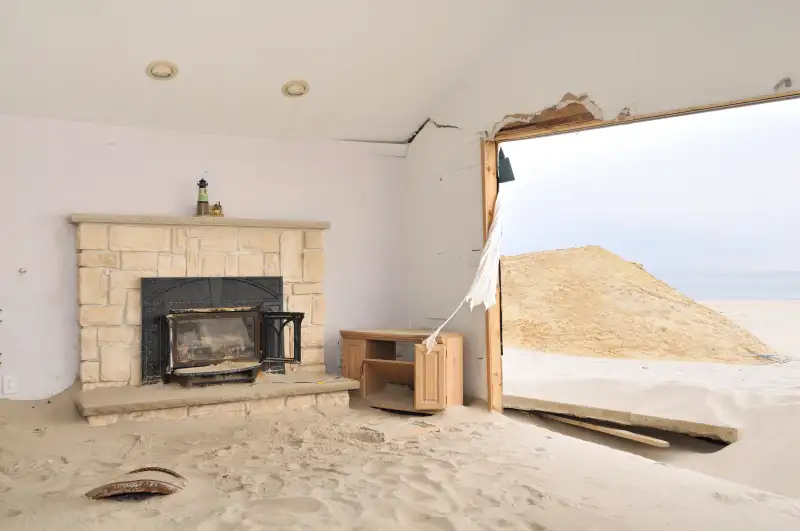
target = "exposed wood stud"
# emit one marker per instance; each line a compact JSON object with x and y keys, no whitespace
{"x":494,"y":363}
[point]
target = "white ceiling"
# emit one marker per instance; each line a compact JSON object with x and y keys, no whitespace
{"x":375,"y":67}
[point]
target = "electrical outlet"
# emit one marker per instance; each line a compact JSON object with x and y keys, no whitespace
{"x":9,"y":385}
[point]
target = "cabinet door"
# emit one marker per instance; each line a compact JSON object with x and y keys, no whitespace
{"x":353,"y":351}
{"x":429,"y":377}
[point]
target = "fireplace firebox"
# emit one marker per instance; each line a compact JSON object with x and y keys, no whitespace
{"x":200,"y":331}
{"x":201,"y":337}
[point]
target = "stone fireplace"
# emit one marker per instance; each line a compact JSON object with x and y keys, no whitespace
{"x":224,"y":263}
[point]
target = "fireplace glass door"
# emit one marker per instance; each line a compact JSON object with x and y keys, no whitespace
{"x":199,"y":338}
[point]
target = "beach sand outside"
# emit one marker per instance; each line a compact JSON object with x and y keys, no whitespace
{"x":762,"y":400}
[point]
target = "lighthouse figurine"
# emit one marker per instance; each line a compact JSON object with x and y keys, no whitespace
{"x":202,"y":198}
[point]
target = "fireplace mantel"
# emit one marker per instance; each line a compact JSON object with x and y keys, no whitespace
{"x":197,"y":221}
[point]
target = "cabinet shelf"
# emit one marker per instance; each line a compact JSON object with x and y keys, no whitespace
{"x":388,"y":362}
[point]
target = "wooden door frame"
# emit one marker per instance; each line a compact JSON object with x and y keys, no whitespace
{"x":489,"y":154}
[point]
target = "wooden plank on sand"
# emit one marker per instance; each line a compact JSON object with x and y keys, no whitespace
{"x":625,"y":434}
{"x":726,"y":434}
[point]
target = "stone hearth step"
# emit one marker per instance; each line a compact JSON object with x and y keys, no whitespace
{"x":271,"y":393}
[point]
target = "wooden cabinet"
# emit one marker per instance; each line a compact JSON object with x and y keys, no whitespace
{"x":430,"y":381}
{"x":353,"y":352}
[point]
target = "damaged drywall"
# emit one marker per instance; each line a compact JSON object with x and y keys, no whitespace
{"x":570,"y":108}
{"x":426,"y":122}
{"x":783,"y":84}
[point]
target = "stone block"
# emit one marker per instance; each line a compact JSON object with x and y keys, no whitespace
{"x":90,"y":371}
{"x":192,"y":258}
{"x":139,"y":238}
{"x":303,"y":367}
{"x":115,"y":334}
{"x":117,"y":296}
{"x":231,"y":265}
{"x":235,"y":409}
{"x":129,"y":279}
{"x":313,"y":265}
{"x":178,"y":240}
{"x":314,"y":239}
{"x":300,"y":401}
{"x":292,"y":256}
{"x":89,"y":349}
{"x":133,"y":308}
{"x":308,"y":288}
{"x":92,"y":236}
{"x":318,"y":310}
{"x":212,"y":265}
{"x":101,"y":385}
{"x":312,"y":356}
{"x":172,"y":413}
{"x":259,"y":240}
{"x":335,"y":399}
{"x":251,"y":265}
{"x":136,"y":344}
{"x":301,"y":303}
{"x":135,"y":379}
{"x":215,"y":238}
{"x":313,"y":336}
{"x":115,"y":363}
{"x":171,"y":265}
{"x":288,"y":341}
{"x":92,"y":285}
{"x":100,"y":315}
{"x":98,"y":259}
{"x":272,"y":265}
{"x":266,"y":406}
{"x":102,"y":420}
{"x":140,"y":261}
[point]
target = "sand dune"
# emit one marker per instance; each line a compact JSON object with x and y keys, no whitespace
{"x":588,"y":301}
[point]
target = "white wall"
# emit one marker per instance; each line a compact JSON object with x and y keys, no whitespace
{"x":649,"y":56}
{"x":49,"y":169}
{"x":445,"y":235}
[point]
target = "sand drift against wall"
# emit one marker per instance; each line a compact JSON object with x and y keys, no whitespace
{"x":588,"y":301}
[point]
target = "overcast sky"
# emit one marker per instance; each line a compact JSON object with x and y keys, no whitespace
{"x":712,"y":191}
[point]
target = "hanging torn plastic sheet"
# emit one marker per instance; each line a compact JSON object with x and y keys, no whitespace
{"x":484,"y":286}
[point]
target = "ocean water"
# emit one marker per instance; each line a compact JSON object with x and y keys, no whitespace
{"x":738,"y":286}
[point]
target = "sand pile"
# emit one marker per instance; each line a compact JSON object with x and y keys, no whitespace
{"x":589,"y":301}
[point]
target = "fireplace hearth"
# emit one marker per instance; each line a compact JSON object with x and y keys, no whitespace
{"x":210,"y":330}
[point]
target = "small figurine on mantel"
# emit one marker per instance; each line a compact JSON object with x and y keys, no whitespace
{"x":216,"y":210}
{"x":202,"y":198}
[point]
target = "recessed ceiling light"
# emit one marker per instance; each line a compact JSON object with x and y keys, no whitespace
{"x":162,"y":70}
{"x":294,"y":89}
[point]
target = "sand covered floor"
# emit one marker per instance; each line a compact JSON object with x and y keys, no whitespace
{"x":356,"y":469}
{"x":763,"y":401}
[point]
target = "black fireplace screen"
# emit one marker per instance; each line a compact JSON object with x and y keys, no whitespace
{"x":213,"y":320}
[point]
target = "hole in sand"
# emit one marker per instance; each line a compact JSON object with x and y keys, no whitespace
{"x":678,"y":442}
{"x":133,"y":496}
